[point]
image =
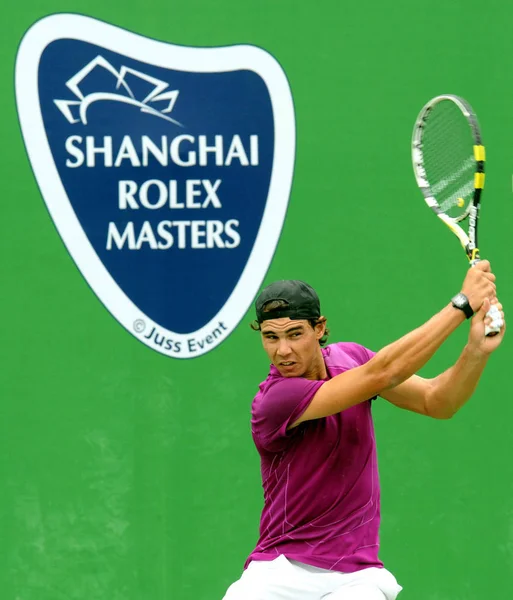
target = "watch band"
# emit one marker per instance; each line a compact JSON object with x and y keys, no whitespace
{"x":461,"y":302}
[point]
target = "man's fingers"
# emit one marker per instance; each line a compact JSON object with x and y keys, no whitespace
{"x":495,"y":302}
{"x":483,"y":265}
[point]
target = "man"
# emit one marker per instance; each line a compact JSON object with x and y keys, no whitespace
{"x":312,"y":426}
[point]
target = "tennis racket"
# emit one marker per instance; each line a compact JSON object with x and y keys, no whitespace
{"x":448,"y":162}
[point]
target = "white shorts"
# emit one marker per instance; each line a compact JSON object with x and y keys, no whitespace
{"x":283,"y":579}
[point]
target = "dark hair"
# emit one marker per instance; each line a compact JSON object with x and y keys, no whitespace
{"x":275,"y":304}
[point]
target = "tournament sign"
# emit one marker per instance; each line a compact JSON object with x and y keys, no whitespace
{"x":166,"y":170}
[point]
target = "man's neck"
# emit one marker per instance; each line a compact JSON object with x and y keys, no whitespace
{"x":318,"y":369}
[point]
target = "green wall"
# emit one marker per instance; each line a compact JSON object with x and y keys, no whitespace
{"x":126,"y":475}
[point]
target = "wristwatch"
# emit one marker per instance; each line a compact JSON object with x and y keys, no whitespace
{"x":461,"y":301}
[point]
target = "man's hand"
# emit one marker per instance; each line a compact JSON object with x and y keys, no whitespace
{"x":479,"y":285}
{"x":477,"y":340}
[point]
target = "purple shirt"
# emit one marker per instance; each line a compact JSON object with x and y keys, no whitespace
{"x":320,"y":479}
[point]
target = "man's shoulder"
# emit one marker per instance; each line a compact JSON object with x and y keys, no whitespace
{"x":276,"y":382}
{"x":346,"y":354}
{"x":275,"y":386}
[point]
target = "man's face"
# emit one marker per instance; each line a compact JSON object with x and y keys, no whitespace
{"x":292,"y":346}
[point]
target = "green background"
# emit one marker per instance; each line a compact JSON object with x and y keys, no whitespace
{"x":127,"y":475}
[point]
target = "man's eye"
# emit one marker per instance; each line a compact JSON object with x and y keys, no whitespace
{"x":296,"y":334}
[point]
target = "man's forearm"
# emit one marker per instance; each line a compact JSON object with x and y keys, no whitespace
{"x":407,"y":355}
{"x":450,"y":390}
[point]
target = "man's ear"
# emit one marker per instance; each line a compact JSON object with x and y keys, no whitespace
{"x":320,"y":327}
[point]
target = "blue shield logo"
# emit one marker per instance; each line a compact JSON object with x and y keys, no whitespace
{"x":166,"y":170}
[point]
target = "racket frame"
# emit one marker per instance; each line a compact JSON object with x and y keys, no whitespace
{"x":469,"y":240}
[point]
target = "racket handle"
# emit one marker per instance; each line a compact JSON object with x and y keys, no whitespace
{"x":497,"y":321}
{"x":494,"y":313}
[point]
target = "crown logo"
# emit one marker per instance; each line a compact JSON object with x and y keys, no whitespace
{"x":150,"y":96}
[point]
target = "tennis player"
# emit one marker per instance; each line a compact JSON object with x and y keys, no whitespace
{"x":312,"y":426}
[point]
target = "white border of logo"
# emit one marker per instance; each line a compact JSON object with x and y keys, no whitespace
{"x":161,"y":54}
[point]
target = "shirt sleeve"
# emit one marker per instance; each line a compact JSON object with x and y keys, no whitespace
{"x":360,"y":353}
{"x":282,"y":403}
{"x":364,"y":355}
{"x":368,"y":354}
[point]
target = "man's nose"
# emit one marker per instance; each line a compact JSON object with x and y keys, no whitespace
{"x":283,"y":348}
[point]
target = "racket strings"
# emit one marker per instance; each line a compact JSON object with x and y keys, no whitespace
{"x":447,"y":147}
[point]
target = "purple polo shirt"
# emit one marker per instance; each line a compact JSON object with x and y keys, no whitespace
{"x":320,"y":479}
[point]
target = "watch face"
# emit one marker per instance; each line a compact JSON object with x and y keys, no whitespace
{"x":459,"y":300}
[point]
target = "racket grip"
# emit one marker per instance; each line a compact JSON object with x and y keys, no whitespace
{"x":494,"y":313}
{"x":497,"y":321}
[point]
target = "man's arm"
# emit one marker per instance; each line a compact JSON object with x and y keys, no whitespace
{"x":442,"y":396}
{"x":400,"y":360}
{"x":387,"y":369}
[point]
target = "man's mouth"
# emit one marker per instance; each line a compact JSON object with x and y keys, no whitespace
{"x":287,"y":363}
